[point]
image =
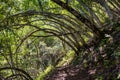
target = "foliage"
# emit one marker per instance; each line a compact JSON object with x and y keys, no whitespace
{"x":40,"y":35}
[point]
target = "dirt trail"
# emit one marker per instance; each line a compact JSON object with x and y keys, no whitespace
{"x":71,"y":73}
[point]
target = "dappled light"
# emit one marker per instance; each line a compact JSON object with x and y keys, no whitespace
{"x":59,"y":39}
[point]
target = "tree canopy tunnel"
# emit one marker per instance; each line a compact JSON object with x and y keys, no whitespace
{"x":83,"y":25}
{"x":79,"y":23}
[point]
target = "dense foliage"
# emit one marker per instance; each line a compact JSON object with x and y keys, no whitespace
{"x":37,"y":36}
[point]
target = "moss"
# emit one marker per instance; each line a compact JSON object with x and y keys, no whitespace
{"x":43,"y":74}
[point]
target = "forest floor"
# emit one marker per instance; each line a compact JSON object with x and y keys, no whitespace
{"x":78,"y":72}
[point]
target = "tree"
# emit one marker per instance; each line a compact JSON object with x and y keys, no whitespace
{"x":81,"y":24}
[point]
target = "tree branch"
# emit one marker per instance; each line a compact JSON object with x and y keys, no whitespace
{"x":84,"y":20}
